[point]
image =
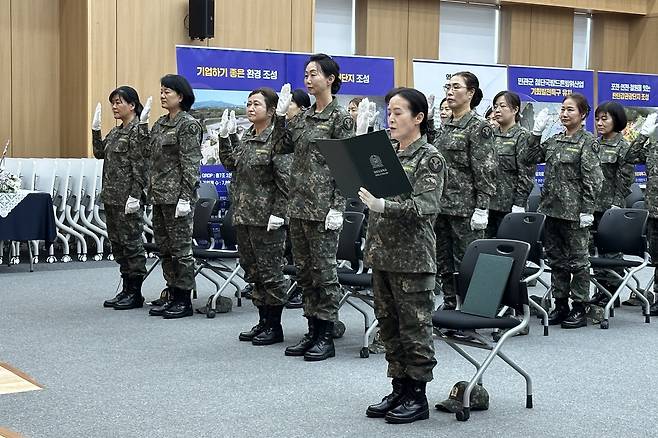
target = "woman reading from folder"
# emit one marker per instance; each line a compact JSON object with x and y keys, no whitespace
{"x":400,"y":248}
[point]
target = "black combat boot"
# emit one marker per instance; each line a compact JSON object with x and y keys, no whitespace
{"x":653,"y":309}
{"x":166,"y":300}
{"x":295,"y":299}
{"x":560,"y":313}
{"x":273,"y":333}
{"x":120,"y":295}
{"x":133,"y":298}
{"x":258,"y":328}
{"x":181,"y":307}
{"x":577,"y":317}
{"x":307,"y":340}
{"x":323,"y":347}
{"x":413,"y":405}
{"x":391,"y":401}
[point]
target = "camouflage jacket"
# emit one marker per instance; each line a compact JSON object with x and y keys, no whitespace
{"x":402,"y":238}
{"x":618,"y":175}
{"x":124,"y":172}
{"x":467,"y":146}
{"x":645,"y":150}
{"x":572,"y":176}
{"x":174,"y":156}
{"x":313,"y":190}
{"x":263,"y":176}
{"x":514,"y":178}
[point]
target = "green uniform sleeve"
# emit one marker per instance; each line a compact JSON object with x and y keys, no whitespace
{"x":281,"y":164}
{"x":590,"y":168}
{"x":625,"y":177}
{"x":282,"y":134}
{"x":343,"y":128}
{"x":484,"y":162}
{"x":98,"y":144}
{"x":138,"y":169}
{"x":536,"y":150}
{"x":637,"y":152}
{"x":190,"y":158}
{"x":428,"y":188}
{"x":525,"y":173}
{"x":144,"y":139}
{"x":226,"y":149}
{"x":432,"y":132}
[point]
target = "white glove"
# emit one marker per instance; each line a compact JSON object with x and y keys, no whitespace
{"x":132,"y":205}
{"x":541,"y":121}
{"x":213,"y":135}
{"x":362,"y":117}
{"x":285,"y":97}
{"x":223,"y":125}
{"x":586,"y":220}
{"x":146,"y":111}
{"x":373,"y":203}
{"x":480,"y":219}
{"x":517,"y":209}
{"x":182,"y":208}
{"x":614,"y":206}
{"x":96,"y":121}
{"x":232,"y":123}
{"x":430,"y":106}
{"x":274,"y":222}
{"x":334,"y":220}
{"x":649,"y":125}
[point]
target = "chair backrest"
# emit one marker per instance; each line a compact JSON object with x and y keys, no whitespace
{"x":61,"y":184}
{"x":89,"y":180}
{"x":526,"y":227}
{"x":355,"y":205}
{"x":200,"y":226}
{"x":13,"y":166}
{"x":639,"y":205}
{"x":636,"y":194}
{"x":622,"y":230}
{"x":208,"y":191}
{"x":349,"y":240}
{"x":516,"y":292}
{"x":227,"y":230}
{"x":533,"y":203}
{"x":46,"y":169}
{"x":75,"y":182}
{"x":28,"y":173}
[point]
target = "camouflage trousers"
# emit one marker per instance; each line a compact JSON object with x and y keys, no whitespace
{"x":604,"y":276}
{"x":495,"y":219}
{"x":173,"y":235}
{"x":453,"y":235}
{"x":261,"y":258}
{"x":568,"y":257}
{"x":403,"y":307}
{"x":314,"y":253}
{"x":125,"y":234}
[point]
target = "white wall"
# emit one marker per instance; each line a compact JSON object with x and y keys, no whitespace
{"x":580,"y":42}
{"x":467,"y":33}
{"x":333,"y":27}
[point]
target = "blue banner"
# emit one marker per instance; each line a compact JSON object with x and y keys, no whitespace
{"x":218,"y":175}
{"x":629,"y":89}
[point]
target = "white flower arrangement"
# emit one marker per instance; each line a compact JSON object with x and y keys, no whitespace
{"x":9,"y":183}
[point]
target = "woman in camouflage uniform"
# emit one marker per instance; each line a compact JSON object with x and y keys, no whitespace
{"x":400,"y":248}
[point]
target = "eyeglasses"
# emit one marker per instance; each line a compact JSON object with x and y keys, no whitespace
{"x":454,"y":87}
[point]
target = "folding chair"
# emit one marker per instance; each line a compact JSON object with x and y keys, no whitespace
{"x":528,"y":227}
{"x":639,"y":205}
{"x":636,"y":194}
{"x":621,"y":230}
{"x":215,"y":260}
{"x":514,"y":296}
{"x":354,"y":205}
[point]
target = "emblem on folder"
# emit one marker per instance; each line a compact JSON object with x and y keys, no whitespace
{"x":378,"y":167}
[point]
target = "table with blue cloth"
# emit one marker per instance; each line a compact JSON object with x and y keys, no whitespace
{"x":32,"y":218}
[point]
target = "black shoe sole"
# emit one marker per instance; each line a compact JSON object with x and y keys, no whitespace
{"x":268,"y":342}
{"x":396,"y":420}
{"x":108,"y":305}
{"x":579,"y":325}
{"x":129,"y":307}
{"x":294,"y":306}
{"x":294,"y":353}
{"x":371,"y":414}
{"x":178,"y":315}
{"x":318,"y":358}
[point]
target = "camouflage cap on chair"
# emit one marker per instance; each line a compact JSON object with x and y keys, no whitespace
{"x":479,"y":399}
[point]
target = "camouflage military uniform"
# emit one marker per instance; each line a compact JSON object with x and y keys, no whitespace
{"x":514,"y":178}
{"x":572,"y":182}
{"x":263,"y":191}
{"x":400,"y":248}
{"x":174,"y":155}
{"x":617,"y":179}
{"x":312,"y":193}
{"x":645,"y":150}
{"x":124,"y":174}
{"x":467,"y":145}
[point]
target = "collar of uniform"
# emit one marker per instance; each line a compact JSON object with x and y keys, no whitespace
{"x":262,"y":137}
{"x":412,"y":148}
{"x":463,"y":121}
{"x":129,"y":127}
{"x":574,"y":138}
{"x":614,"y":141}
{"x":510,"y":132}
{"x":326,"y":112}
{"x":169,"y":122}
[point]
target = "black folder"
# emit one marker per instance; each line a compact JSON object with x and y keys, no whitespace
{"x":368,"y":161}
{"x":487,"y":285}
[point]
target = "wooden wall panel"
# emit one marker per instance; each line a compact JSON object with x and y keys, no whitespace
{"x":5,"y":72}
{"x":302,"y":25}
{"x":423,"y":40}
{"x":642,"y":45}
{"x":35,"y":78}
{"x":74,"y":125}
{"x":610,"y":42}
{"x":638,"y":7}
{"x":253,"y":24}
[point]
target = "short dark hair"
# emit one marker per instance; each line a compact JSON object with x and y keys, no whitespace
{"x":616,"y":111}
{"x":488,"y":112}
{"x":328,"y":67}
{"x":301,"y":98}
{"x":180,"y":85}
{"x":356,"y":100}
{"x":129,"y":95}
{"x":443,"y":100}
{"x":581,"y":103}
{"x":270,"y":96}
{"x":513,"y":101}
{"x":472,"y":83}
{"x":417,"y":103}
